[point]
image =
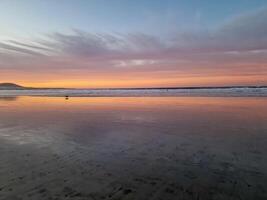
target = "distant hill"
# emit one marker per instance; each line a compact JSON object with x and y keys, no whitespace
{"x":10,"y":86}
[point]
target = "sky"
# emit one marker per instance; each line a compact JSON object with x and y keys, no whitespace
{"x":140,"y":43}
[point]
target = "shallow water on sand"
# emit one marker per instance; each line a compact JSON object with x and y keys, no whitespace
{"x":133,"y":148}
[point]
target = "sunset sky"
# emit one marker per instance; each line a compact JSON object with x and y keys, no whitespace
{"x":133,"y":43}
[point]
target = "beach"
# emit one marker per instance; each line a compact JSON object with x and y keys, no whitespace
{"x":141,"y":148}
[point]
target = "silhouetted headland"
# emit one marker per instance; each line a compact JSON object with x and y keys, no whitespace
{"x":10,"y":86}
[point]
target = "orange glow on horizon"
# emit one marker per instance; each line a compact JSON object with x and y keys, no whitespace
{"x":163,"y":82}
{"x":130,"y":80}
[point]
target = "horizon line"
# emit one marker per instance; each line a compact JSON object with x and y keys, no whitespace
{"x":141,"y":88}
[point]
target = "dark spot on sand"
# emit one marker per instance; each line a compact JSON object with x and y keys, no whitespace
{"x":169,"y":190}
{"x":77,"y":194}
{"x":153,"y":183}
{"x":127,"y":191}
{"x":109,"y":174}
{"x":42,"y":190}
{"x":189,"y":192}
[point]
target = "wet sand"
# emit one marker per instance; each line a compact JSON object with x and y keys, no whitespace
{"x":133,"y":148}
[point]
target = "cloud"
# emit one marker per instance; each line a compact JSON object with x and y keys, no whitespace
{"x":241,"y":33}
{"x":82,"y":44}
{"x":19,"y":49}
{"x":133,"y":63}
{"x":238,"y":45}
{"x":246,"y":33}
{"x":31,"y":46}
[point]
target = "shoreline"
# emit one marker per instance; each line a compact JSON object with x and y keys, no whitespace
{"x":205,"y":92}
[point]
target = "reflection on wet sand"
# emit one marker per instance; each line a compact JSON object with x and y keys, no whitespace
{"x":133,"y":148}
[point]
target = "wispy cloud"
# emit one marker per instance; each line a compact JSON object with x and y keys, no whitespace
{"x":241,"y":33}
{"x":19,"y":49}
